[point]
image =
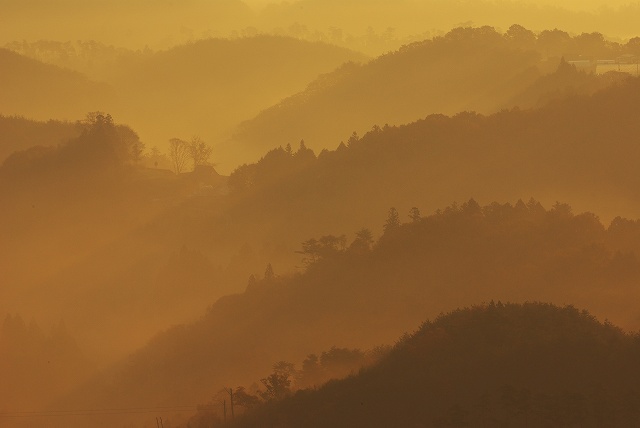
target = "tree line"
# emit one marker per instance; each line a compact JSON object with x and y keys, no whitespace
{"x":489,"y":365}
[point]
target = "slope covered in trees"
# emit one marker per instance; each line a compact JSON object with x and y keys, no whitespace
{"x":356,"y":294}
{"x":130,"y":223}
{"x":475,"y":69}
{"x":513,"y":365}
{"x":581,"y":149}
{"x":19,"y":133}
{"x":77,"y":211}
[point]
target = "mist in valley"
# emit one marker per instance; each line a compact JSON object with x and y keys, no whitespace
{"x":319,"y":213}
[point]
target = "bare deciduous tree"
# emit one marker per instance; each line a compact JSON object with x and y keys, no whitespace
{"x":199,"y":151}
{"x":179,"y":153}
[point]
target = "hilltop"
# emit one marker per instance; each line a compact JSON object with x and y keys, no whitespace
{"x":357,"y":294}
{"x":529,"y":364}
{"x":468,"y":69}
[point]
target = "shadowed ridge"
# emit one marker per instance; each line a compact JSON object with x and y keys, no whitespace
{"x":531,"y":364}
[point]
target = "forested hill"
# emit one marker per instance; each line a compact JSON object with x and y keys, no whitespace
{"x":42,"y":91}
{"x":197,"y":88}
{"x":357,"y":293}
{"x":529,"y":365}
{"x":19,"y":133}
{"x":580,"y":149}
{"x":475,"y":69}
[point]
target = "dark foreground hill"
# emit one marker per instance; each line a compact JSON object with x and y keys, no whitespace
{"x":529,"y":365}
{"x":356,"y":295}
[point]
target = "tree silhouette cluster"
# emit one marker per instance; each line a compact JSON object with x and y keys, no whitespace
{"x":275,"y":165}
{"x":102,"y":147}
{"x":195,"y":150}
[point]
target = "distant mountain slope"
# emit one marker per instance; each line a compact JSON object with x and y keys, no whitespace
{"x":19,"y":133}
{"x":579,"y":148}
{"x":40,"y":91}
{"x":533,"y":365}
{"x":468,"y":69}
{"x":207,"y":87}
{"x":380,"y":21}
{"x":565,"y":82}
{"x":361,"y":296}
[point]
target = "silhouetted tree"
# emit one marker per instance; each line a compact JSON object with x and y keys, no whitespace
{"x":311,"y":373}
{"x":244,"y":399}
{"x":362,"y":242}
{"x":178,"y":153}
{"x":252,"y":282}
{"x":268,"y":273}
{"x":311,"y":251}
{"x":325,"y":247}
{"x":393,"y":220}
{"x":521,"y":37}
{"x":304,"y":153}
{"x":331,"y":244}
{"x":339,"y":362}
{"x":199,"y":151}
{"x":354,"y":138}
{"x":414,"y":214}
{"x":137,"y":148}
{"x":278,"y":384}
{"x":96,"y":120}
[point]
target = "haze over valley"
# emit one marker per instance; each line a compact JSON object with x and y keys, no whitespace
{"x":306,"y":213}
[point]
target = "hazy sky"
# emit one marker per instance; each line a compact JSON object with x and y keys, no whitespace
{"x":568,"y":4}
{"x":164,"y":23}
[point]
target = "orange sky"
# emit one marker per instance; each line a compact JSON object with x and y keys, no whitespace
{"x":161,"y":24}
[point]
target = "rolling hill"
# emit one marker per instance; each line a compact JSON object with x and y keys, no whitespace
{"x":41,"y":91}
{"x":578,"y":148}
{"x":362,"y":296}
{"x":532,"y":364}
{"x":444,"y":75}
{"x":207,"y":87}
{"x":468,"y":69}
{"x":19,"y":133}
{"x":204,"y":87}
